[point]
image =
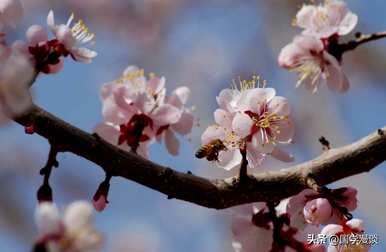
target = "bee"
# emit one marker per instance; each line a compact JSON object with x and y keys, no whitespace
{"x":211,"y":150}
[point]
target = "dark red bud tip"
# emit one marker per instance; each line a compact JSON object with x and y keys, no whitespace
{"x":44,"y":193}
{"x":29,"y":129}
{"x":100,"y":197}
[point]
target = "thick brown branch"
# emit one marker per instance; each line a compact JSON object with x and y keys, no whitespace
{"x":331,"y":166}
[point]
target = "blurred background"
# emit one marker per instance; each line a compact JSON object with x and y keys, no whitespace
{"x":204,"y":45}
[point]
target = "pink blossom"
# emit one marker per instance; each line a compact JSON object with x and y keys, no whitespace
{"x":353,"y":226}
{"x":250,"y":118}
{"x":16,"y":75}
{"x":252,"y":230}
{"x":11,"y":12}
{"x":135,"y":112}
{"x":323,"y":21}
{"x":265,"y":122}
{"x":229,"y":157}
{"x":295,"y":205}
{"x":246,"y":236}
{"x":73,"y":231}
{"x":317,"y":211}
{"x":308,"y":57}
{"x":100,"y":204}
{"x":69,"y":37}
{"x":347,"y":197}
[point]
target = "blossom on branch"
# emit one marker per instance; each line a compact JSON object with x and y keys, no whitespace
{"x":250,"y":118}
{"x":315,"y":55}
{"x":136,"y":111}
{"x":314,"y":65}
{"x":69,"y":36}
{"x":310,"y":207}
{"x":252,"y":230}
{"x":325,"y":20}
{"x":47,"y":54}
{"x":74,"y":232}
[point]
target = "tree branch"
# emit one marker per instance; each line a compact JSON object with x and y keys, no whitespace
{"x":362,"y":39}
{"x":332,"y":165}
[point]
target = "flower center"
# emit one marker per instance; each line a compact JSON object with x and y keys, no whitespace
{"x":268,"y":120}
{"x":134,"y":78}
{"x":267,"y":124}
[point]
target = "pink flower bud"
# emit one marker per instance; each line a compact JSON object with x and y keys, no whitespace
{"x":317,"y":211}
{"x":100,"y":198}
{"x":350,"y":198}
{"x":100,"y":204}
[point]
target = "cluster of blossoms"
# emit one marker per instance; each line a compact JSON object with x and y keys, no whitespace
{"x":74,"y":232}
{"x":21,"y":61}
{"x":136,"y":112}
{"x":314,"y":54}
{"x":303,"y":214}
{"x":251,"y":119}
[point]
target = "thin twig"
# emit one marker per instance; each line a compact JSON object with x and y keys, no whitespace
{"x":362,"y":39}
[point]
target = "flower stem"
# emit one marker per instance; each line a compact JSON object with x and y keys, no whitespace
{"x":243,"y":174}
{"x":362,"y":39}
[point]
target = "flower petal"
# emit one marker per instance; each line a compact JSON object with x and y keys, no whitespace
{"x":165,"y":115}
{"x":227,"y":99}
{"x":83,"y":54}
{"x":285,"y":132}
{"x":305,"y":15}
{"x":112,"y":113}
{"x":348,"y":24}
{"x":47,"y":219}
{"x":172,"y":143}
{"x":356,"y":224}
{"x":281,"y":155}
{"x":185,"y":124}
{"x":254,"y":156}
{"x":258,"y":142}
{"x":229,"y":159}
{"x":179,"y":97}
{"x":258,"y":97}
{"x":36,"y":34}
{"x":336,"y":79}
{"x":280,"y":106}
{"x":211,"y":133}
{"x":242,"y":124}
{"x":108,"y":132}
{"x":78,"y":215}
{"x":51,"y":20}
{"x":223,"y":118}
{"x":155,"y":85}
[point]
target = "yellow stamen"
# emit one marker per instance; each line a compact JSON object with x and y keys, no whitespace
{"x":80,"y":31}
{"x":243,"y":85}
